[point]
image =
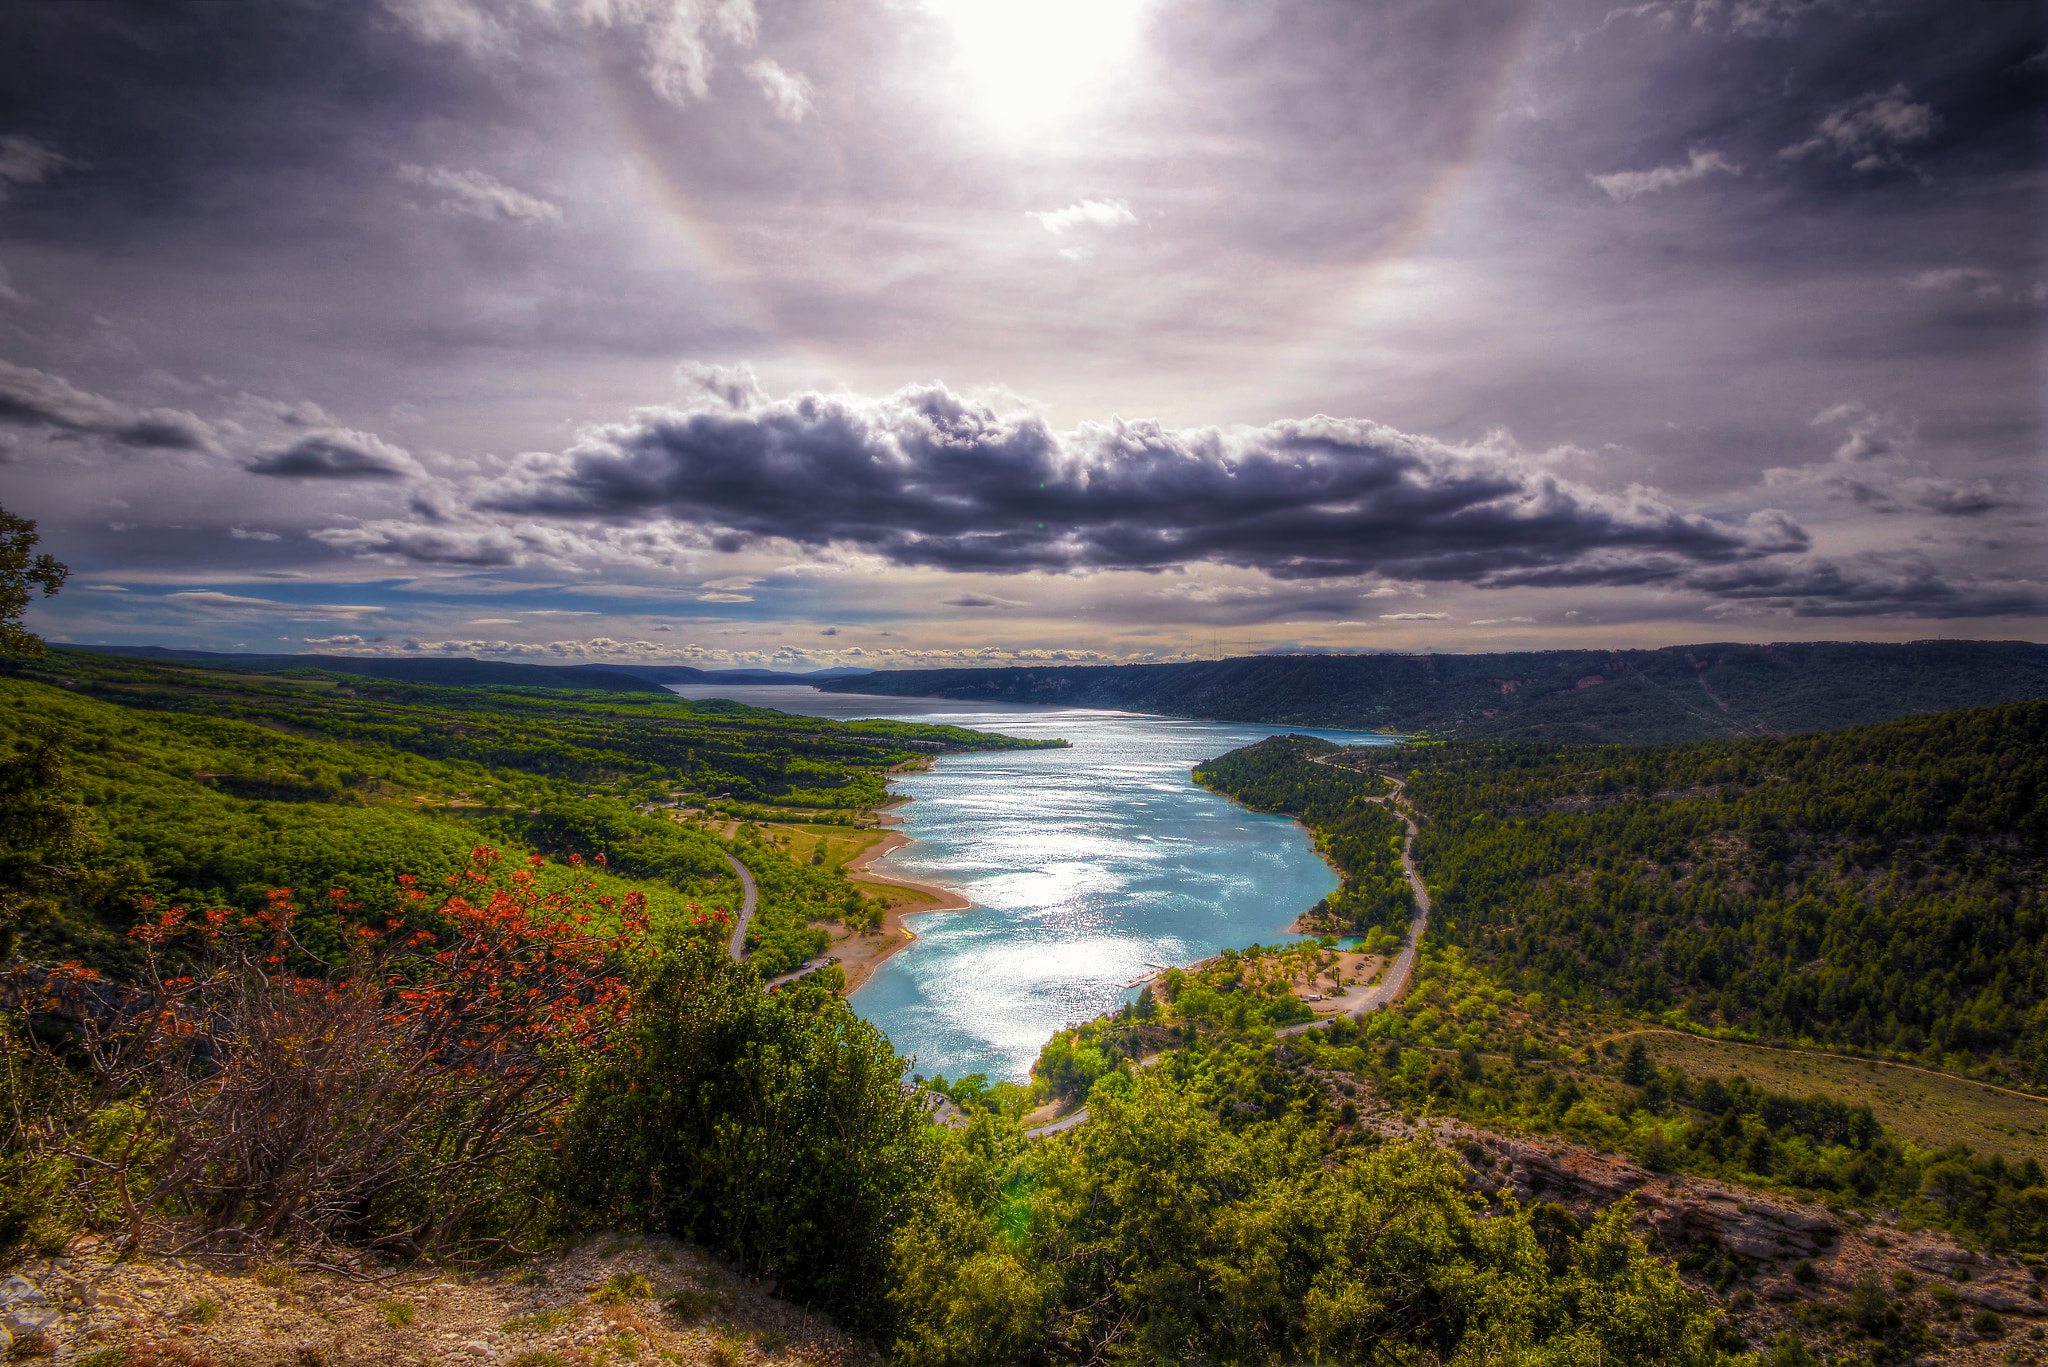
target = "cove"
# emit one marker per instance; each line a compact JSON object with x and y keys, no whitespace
{"x":1086,"y":867}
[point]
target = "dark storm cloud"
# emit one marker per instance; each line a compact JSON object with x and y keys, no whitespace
{"x":476,"y":548}
{"x":1774,"y":112}
{"x":927,"y":478}
{"x":35,"y":398}
{"x":1876,"y":584}
{"x":1874,"y":466}
{"x":337,"y":453}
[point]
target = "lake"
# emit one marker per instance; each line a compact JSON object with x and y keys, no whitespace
{"x":1086,"y":866}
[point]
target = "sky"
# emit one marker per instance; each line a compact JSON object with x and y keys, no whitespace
{"x":888,"y":333}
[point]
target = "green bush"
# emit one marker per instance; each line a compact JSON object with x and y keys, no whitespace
{"x":624,"y":1287}
{"x":775,"y":1131}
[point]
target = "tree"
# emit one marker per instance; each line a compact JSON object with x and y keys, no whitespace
{"x":1951,"y":1186}
{"x":1636,"y":1069}
{"x":21,"y":567}
{"x":1158,"y":1233}
{"x":42,"y":833}
{"x":775,"y":1129}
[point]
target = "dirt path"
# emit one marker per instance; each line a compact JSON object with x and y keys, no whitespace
{"x":549,"y":1310}
{"x":858,"y":954}
{"x":1394,"y":981}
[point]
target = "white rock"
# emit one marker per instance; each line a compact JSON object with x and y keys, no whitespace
{"x":24,"y":1320}
{"x":19,"y":1290}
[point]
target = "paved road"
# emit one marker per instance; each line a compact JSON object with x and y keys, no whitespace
{"x":749,"y":894}
{"x":1389,"y":988}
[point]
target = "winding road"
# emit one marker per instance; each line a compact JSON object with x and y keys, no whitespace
{"x":749,"y":894}
{"x":1394,"y":981}
{"x":1391,"y":985}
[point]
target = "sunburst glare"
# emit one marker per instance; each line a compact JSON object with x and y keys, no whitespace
{"x":1034,"y":67}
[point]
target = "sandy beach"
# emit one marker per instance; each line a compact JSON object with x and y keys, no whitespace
{"x":860,"y":955}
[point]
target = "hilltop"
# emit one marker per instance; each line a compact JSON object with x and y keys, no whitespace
{"x":1679,"y":693}
{"x":463,"y":671}
{"x":457,"y":672}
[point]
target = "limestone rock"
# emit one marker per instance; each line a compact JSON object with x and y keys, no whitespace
{"x":2007,"y":1296}
{"x":25,"y":1308}
{"x":1938,"y":1257}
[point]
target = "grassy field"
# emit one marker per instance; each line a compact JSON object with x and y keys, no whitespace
{"x":1931,"y":1109}
{"x":803,"y":840}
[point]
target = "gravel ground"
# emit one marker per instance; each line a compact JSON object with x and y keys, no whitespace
{"x":551,"y":1312}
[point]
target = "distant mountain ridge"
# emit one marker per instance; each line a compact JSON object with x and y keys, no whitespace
{"x":468,"y":672}
{"x":1678,"y":693}
{"x":691,"y":674}
{"x":454,"y":671}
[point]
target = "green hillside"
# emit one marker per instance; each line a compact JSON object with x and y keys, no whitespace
{"x":1877,"y":888}
{"x":208,"y":788}
{"x":458,"y":672}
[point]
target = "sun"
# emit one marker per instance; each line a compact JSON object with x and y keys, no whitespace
{"x":1034,"y":67}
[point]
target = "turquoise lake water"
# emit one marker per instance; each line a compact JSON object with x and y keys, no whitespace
{"x":1086,"y":866}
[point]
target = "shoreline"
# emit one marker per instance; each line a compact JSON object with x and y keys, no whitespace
{"x":898,"y":936}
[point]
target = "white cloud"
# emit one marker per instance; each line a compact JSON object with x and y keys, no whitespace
{"x":1094,"y":213}
{"x":1498,"y":621}
{"x":1868,"y":131}
{"x":479,"y":196}
{"x":787,"y":91}
{"x":725,"y":597}
{"x":457,"y":23}
{"x":25,"y":161}
{"x":1415,"y":617}
{"x":334,"y":640}
{"x":675,"y":35}
{"x":244,"y":534}
{"x":1622,"y":186}
{"x":208,"y":600}
{"x":1948,"y":277}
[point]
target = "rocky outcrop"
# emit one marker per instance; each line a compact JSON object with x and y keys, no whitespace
{"x":1747,"y":1227}
{"x":1680,"y":1211}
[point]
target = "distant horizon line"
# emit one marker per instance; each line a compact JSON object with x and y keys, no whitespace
{"x":1325,"y":653}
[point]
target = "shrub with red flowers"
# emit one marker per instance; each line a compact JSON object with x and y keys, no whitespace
{"x":395,"y":1102}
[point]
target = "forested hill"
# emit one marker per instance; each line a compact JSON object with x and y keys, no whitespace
{"x":449,"y":672}
{"x":122,"y":778}
{"x":1679,"y":693}
{"x":1879,"y":887}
